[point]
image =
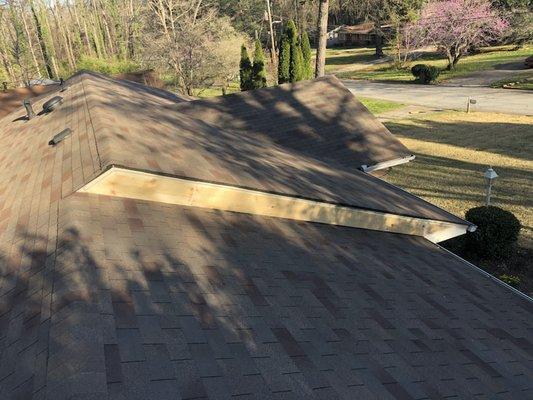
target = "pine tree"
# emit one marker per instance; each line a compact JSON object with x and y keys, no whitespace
{"x":284,"y":60}
{"x":290,"y":67}
{"x":306,"y":52}
{"x":297,"y":72}
{"x":258,"y":70}
{"x":245,"y":71}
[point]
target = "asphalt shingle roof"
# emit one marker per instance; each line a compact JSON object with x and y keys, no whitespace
{"x":110,"y":298}
{"x":150,"y":133}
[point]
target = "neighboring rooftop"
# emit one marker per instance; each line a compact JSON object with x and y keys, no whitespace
{"x":121,"y":298}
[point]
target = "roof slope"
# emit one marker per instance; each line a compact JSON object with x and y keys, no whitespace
{"x":12,"y":99}
{"x":142,"y":300}
{"x":109,"y":298}
{"x":321,"y":119}
{"x":165,"y":138}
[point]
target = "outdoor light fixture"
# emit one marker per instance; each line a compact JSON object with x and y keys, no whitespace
{"x":489,"y":175}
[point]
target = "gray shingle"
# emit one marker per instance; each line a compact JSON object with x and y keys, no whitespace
{"x":141,"y":300}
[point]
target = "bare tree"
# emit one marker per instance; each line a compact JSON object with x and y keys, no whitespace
{"x":194,"y":44}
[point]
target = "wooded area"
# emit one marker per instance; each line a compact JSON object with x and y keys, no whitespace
{"x":193,"y":44}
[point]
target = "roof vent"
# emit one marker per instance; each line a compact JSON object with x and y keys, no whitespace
{"x":60,"y":136}
{"x":62,"y":85}
{"x":29,"y":109}
{"x":52,"y":104}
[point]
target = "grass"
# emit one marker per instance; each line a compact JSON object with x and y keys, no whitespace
{"x":341,"y":59}
{"x":233,"y":87}
{"x":487,"y":58}
{"x":376,"y":106}
{"x":452,"y":151}
{"x":518,"y":82}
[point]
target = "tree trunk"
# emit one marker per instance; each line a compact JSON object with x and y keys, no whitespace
{"x":4,"y":55}
{"x":66,"y":44}
{"x":30,"y":44}
{"x":272,"y":40}
{"x":322,"y":29}
{"x":52,"y":49}
{"x":42,"y":44}
{"x":378,"y":40}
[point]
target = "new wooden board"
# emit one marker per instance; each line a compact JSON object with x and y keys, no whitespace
{"x":152,"y":187}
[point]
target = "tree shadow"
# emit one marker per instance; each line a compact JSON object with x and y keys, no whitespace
{"x":278,"y":140}
{"x":109,"y":297}
{"x":507,"y":139}
{"x":149,"y":300}
{"x":459,"y":185}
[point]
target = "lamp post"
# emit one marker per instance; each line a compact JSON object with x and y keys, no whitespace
{"x":489,"y":175}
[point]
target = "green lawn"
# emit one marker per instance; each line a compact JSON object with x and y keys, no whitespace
{"x":487,"y":58}
{"x":340,"y":59}
{"x":518,"y":82}
{"x":452,"y":150}
{"x":376,"y":106}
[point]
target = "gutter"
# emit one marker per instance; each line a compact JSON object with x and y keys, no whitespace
{"x":387,"y":164}
{"x":483,"y":272}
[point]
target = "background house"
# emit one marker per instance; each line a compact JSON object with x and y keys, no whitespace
{"x":355,"y":35}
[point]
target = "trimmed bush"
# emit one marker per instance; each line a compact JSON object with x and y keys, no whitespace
{"x":417,"y":69}
{"x":496,"y":233}
{"x":511,"y":280}
{"x":425,"y":73}
{"x":290,"y":58}
{"x":245,"y":70}
{"x":307,"y":56}
{"x":258,"y":70}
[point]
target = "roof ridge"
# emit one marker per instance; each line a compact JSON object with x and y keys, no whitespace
{"x":288,"y":85}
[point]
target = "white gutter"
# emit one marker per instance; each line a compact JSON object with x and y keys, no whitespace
{"x":387,"y":164}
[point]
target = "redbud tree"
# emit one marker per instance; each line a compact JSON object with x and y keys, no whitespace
{"x":456,"y":26}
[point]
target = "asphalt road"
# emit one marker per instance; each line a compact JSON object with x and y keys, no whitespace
{"x":447,"y":97}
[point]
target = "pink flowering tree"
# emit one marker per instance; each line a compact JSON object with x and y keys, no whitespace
{"x":455,"y":26}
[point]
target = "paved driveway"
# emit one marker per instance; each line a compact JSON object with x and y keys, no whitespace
{"x":447,"y":97}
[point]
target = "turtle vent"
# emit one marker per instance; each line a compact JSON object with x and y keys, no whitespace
{"x":52,"y":104}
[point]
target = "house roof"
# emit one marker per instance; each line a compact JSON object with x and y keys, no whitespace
{"x":110,"y":297}
{"x":190,"y":139}
{"x":364,"y":28}
{"x":11,"y":99}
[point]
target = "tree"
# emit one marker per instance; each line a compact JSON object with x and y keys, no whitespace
{"x":322,"y":29}
{"x":258,"y":71}
{"x":455,"y":26}
{"x":200,"y":49}
{"x":404,"y":35}
{"x":380,"y":13}
{"x":521,"y":28}
{"x":284,"y":60}
{"x":245,"y":70}
{"x":296,"y":70}
{"x":306,"y":53}
{"x":290,"y":67}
